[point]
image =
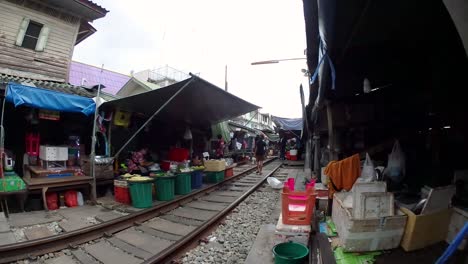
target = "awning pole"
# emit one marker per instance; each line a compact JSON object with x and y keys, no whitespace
{"x":2,"y":134}
{"x":151,"y":118}
{"x":93,"y":141}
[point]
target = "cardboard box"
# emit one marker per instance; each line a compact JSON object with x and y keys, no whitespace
{"x":425,"y":230}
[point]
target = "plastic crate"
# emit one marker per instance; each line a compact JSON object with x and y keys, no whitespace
{"x":215,"y":177}
{"x":297,"y":207}
{"x":229,"y":172}
{"x":122,"y":195}
{"x":215,"y":165}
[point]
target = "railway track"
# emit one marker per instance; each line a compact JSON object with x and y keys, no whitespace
{"x":155,"y":235}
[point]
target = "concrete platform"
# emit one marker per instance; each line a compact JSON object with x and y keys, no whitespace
{"x":181,"y":220}
{"x":169,"y":227}
{"x":191,"y":213}
{"x":4,"y":225}
{"x":108,"y":254}
{"x":33,"y":218}
{"x":206,"y":205}
{"x":37,"y":232}
{"x":62,"y":260}
{"x":7,"y":238}
{"x":139,"y":253}
{"x":143,"y":241}
{"x":261,"y":252}
{"x":219,"y":199}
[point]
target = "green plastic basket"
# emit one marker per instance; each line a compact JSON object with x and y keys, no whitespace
{"x":290,"y":253}
{"x":183,"y":183}
{"x":165,"y":188}
{"x":214,"y":177}
{"x":141,"y":193}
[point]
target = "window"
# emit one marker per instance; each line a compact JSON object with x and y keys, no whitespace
{"x":32,"y":35}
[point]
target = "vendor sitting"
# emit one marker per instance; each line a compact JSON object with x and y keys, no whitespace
{"x":138,"y":164}
{"x":196,"y":161}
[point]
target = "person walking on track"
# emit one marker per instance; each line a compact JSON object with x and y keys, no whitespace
{"x":260,"y":148}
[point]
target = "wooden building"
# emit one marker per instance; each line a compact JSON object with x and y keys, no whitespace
{"x":37,"y":38}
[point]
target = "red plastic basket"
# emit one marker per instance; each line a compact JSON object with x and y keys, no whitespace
{"x":291,"y":157}
{"x":229,"y":172}
{"x":297,"y":208}
{"x":122,"y":195}
{"x":178,"y":154}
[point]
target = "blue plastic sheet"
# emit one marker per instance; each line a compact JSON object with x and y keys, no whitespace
{"x":21,"y":95}
{"x":288,"y":123}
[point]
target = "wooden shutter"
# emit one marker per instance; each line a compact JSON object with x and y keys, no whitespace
{"x":22,"y":31}
{"x":42,"y":40}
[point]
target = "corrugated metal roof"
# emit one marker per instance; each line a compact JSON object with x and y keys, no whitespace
{"x":113,"y":81}
{"x":55,"y":86}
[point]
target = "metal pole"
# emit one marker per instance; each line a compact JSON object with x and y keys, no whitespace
{"x":225,"y":79}
{"x":2,"y":133}
{"x":93,"y":141}
{"x":151,"y":118}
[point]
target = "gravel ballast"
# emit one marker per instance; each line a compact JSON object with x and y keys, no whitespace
{"x":232,"y":240}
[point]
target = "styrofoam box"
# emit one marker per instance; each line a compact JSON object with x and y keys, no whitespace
{"x":53,"y":153}
{"x":360,"y":235}
{"x":457,"y":221}
{"x":294,"y":233}
{"x":360,"y":188}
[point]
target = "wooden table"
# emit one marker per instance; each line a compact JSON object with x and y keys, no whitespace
{"x":4,"y":204}
{"x":38,"y":171}
{"x":44,"y":183}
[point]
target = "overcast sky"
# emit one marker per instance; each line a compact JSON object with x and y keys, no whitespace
{"x":202,"y":37}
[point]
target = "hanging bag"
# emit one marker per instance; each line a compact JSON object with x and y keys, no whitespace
{"x":396,"y":164}
{"x":368,"y":171}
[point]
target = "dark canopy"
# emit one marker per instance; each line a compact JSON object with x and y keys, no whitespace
{"x":199,"y":104}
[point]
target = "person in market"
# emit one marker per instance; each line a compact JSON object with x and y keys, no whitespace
{"x":220,"y":147}
{"x":138,"y":162}
{"x":283,"y":147}
{"x":260,"y":149}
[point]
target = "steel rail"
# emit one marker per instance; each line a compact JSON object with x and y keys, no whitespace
{"x":184,"y":243}
{"x":34,"y":248}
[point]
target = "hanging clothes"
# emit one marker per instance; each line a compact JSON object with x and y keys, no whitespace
{"x":343,"y":174}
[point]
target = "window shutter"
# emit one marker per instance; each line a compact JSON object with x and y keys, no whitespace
{"x":43,"y":36}
{"x":22,"y":31}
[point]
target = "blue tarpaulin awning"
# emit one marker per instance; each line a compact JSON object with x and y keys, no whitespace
{"x":288,"y":123}
{"x":22,"y":95}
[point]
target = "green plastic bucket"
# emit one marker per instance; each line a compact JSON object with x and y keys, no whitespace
{"x":215,"y":177}
{"x":164,"y":188}
{"x":290,"y":253}
{"x":183,"y":183}
{"x":141,"y":193}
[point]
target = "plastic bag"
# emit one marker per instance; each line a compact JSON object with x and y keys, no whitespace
{"x":396,"y":164}
{"x":71,"y":199}
{"x":368,"y":173}
{"x":80,"y":199}
{"x":275,"y":183}
{"x":52,"y":201}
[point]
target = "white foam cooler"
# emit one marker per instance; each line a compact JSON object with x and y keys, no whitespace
{"x":295,"y":233}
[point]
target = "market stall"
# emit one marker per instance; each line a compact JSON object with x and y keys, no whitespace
{"x":43,"y":129}
{"x":171,"y":125}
